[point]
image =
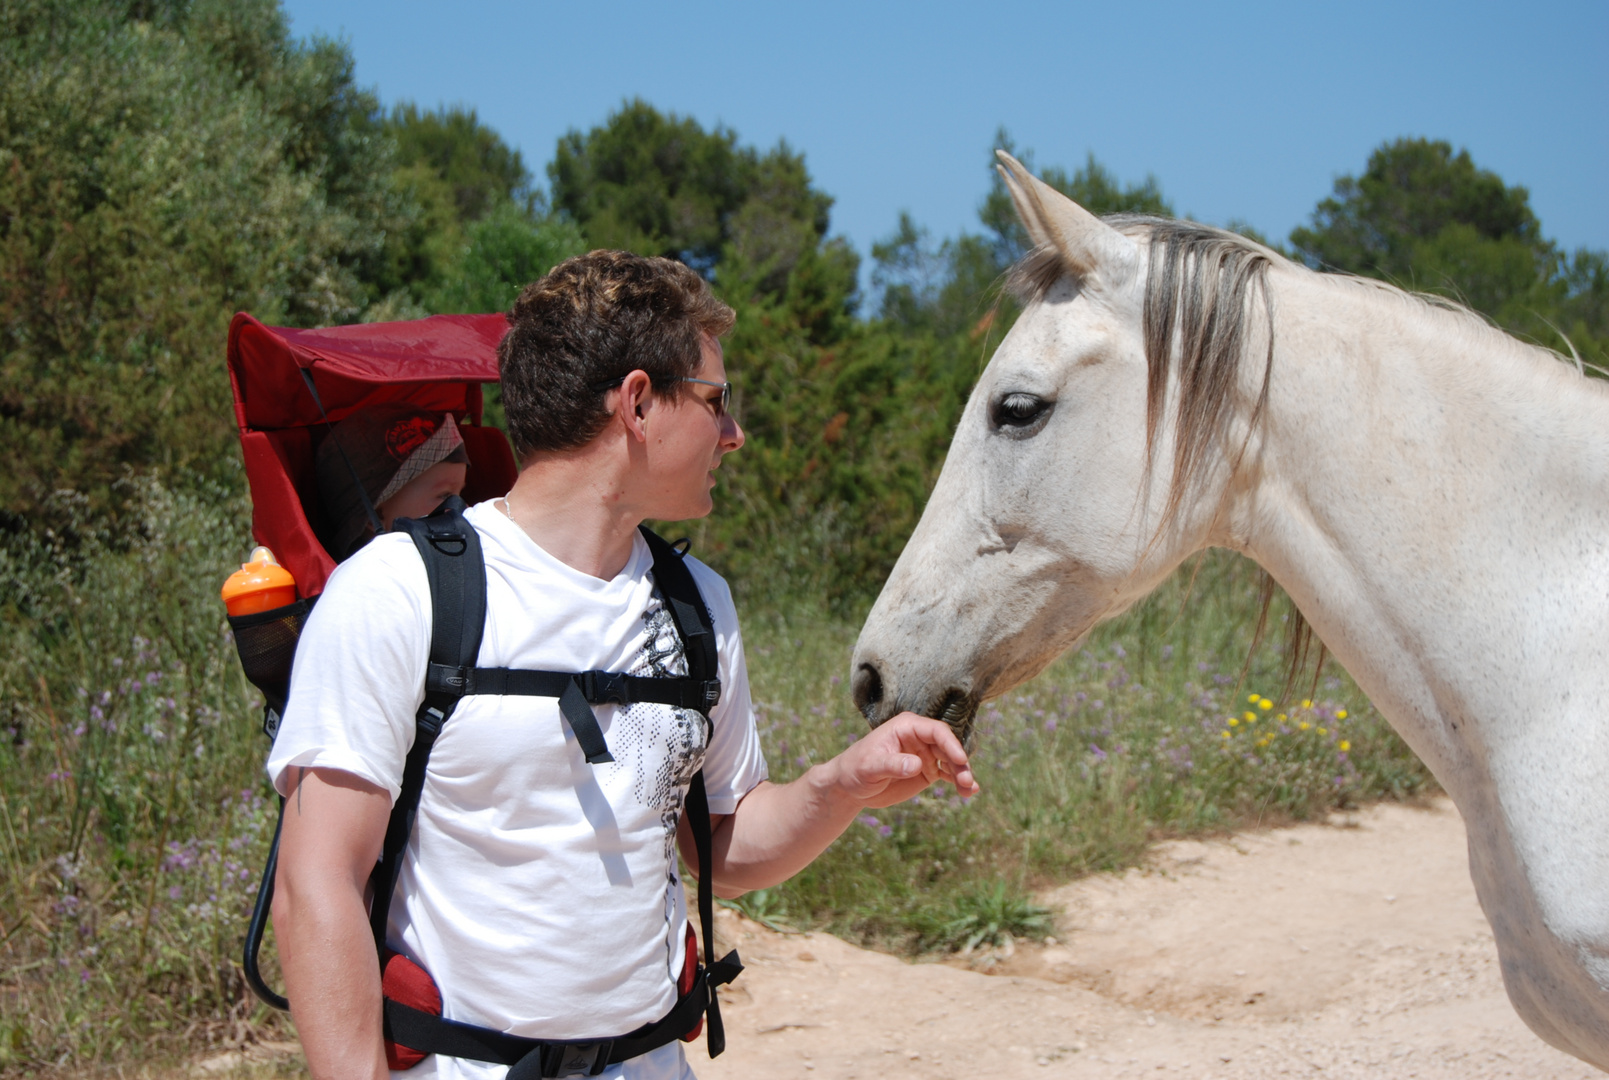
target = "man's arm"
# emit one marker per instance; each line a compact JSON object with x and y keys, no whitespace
{"x":778,"y":829}
{"x":334,"y":826}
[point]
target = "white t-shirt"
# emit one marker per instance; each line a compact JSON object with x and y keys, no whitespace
{"x":540,"y":892}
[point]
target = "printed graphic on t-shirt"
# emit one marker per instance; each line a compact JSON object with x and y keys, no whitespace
{"x":682,"y":732}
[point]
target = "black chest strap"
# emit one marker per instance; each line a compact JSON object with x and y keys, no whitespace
{"x":577,"y":692}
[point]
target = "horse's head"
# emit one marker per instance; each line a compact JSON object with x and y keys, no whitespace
{"x":1048,"y":515}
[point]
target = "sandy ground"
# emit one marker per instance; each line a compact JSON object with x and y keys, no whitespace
{"x":1351,"y":949}
{"x":1354,"y":949}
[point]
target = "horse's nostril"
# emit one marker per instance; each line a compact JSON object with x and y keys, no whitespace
{"x":867,"y":690}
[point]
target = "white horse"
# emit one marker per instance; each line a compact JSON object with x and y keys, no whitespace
{"x":1433,"y":495}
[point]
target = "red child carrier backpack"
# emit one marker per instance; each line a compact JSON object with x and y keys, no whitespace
{"x":289,"y":387}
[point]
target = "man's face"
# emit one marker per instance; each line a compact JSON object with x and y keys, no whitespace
{"x":688,"y":434}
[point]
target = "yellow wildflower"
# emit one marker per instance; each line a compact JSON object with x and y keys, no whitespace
{"x":1340,"y":714}
{"x":1345,"y":745}
{"x":1255,"y":698}
{"x":1281,"y":718}
{"x":1233,"y":722}
{"x":1225,"y":734}
{"x":1304,"y":725}
{"x":1307,"y":703}
{"x":1323,"y":731}
{"x":1250,"y":717}
{"x":1265,"y":704}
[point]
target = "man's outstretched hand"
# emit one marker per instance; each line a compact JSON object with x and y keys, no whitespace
{"x":778,"y":828}
{"x":900,"y":758}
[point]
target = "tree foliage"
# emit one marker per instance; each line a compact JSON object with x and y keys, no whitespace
{"x":474,"y":217}
{"x":660,"y":184}
{"x":478,"y":169}
{"x":161,"y":166}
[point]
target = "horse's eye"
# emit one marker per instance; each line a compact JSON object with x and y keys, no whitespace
{"x":1019,"y":410}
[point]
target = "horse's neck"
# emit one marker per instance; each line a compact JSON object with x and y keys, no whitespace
{"x":1435,"y":498}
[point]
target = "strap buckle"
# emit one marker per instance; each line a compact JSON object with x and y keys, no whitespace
{"x":723,"y":971}
{"x":575,"y":1059}
{"x":605,"y":687}
{"x":712,"y":694}
{"x":446,"y":679}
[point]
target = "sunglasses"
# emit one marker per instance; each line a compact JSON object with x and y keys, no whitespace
{"x":725,"y":404}
{"x":721,"y":407}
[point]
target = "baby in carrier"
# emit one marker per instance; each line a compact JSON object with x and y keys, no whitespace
{"x":399,"y":460}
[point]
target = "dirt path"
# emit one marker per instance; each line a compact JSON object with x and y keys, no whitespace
{"x":1349,"y":950}
{"x":1354,"y":949}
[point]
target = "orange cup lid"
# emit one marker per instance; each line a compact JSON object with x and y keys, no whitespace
{"x":262,"y":571}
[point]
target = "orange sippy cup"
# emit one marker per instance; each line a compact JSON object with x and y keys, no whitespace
{"x":261,"y":584}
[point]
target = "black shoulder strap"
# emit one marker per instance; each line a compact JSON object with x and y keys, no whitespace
{"x":456,"y":569}
{"x":688,"y":612}
{"x":693,"y":623}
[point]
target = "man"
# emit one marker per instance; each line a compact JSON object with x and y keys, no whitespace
{"x":539,"y":891}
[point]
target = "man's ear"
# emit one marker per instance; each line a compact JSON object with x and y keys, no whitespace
{"x":635,"y":403}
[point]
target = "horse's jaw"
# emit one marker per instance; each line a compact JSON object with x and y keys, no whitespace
{"x":931,"y":647}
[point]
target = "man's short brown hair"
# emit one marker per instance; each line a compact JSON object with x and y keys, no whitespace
{"x":593,"y":320}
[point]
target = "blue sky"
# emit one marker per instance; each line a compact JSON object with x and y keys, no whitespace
{"x":1245,"y":111}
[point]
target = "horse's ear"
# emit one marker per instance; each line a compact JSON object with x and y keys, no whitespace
{"x":1089,"y":246}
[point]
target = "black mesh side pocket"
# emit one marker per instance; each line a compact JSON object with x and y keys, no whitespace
{"x":266,"y":642}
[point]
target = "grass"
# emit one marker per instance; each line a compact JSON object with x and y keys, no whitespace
{"x":134,"y":817}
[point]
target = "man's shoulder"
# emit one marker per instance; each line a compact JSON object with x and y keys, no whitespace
{"x":384,"y":583}
{"x":390,"y":558}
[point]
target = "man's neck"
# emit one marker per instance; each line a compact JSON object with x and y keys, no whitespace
{"x":576,"y":505}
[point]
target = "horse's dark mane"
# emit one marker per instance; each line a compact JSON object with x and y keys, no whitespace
{"x":1202,"y":288}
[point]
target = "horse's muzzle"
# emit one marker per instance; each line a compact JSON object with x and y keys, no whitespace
{"x":955,"y":707}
